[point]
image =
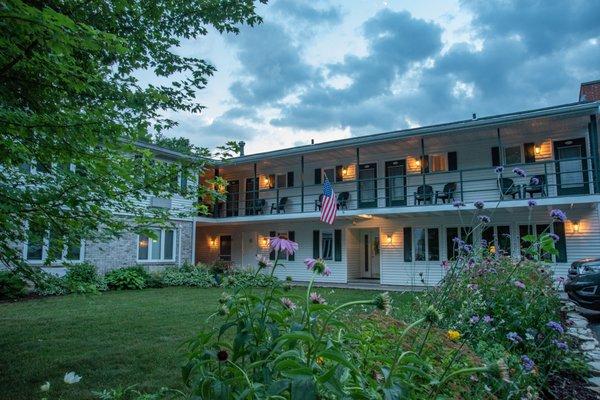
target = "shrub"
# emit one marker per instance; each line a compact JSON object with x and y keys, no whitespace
{"x":155,"y":280}
{"x":51,"y":285}
{"x":82,"y":278}
{"x":133,"y":278}
{"x":12,"y":285}
{"x":197,"y":277}
{"x":246,"y":278}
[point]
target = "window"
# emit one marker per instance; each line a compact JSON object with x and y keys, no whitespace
{"x":159,"y":248}
{"x":281,"y":180}
{"x":327,"y":245}
{"x":537,"y":230}
{"x":465,"y":235}
{"x":497,"y":239}
{"x":512,"y":155}
{"x":329,"y":173}
{"x":438,"y":162}
{"x":40,"y":245}
{"x":426,"y":244}
{"x":225,"y":248}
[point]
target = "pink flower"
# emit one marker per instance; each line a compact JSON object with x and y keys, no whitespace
{"x":519,"y":284}
{"x":316,"y":298}
{"x":284,"y":245}
{"x":310,"y":263}
{"x":287,"y":303}
{"x":327,"y":271}
{"x":445,"y":265}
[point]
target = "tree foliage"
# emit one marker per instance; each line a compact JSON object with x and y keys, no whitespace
{"x":72,"y":108}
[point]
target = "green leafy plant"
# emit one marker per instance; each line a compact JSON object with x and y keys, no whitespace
{"x":12,"y":286}
{"x":83,"y":278}
{"x":133,"y":278}
{"x":51,"y":285}
{"x":197,"y":277}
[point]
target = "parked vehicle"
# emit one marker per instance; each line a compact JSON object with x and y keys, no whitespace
{"x":583,"y":283}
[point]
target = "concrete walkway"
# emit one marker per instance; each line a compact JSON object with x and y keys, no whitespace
{"x":365,"y":285}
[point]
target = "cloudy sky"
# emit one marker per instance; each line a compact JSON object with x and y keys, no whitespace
{"x":333,"y":69}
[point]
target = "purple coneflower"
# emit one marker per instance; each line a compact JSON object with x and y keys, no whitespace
{"x":222,"y":355}
{"x":287,"y":303}
{"x":555,"y":326}
{"x":519,"y":172}
{"x":532,"y":203}
{"x":499,"y":169}
{"x":527,"y":363}
{"x":519,"y":284}
{"x":263,"y":262}
{"x":484,"y":219}
{"x":310,"y":263}
{"x":284,"y":245}
{"x":514,"y":337}
{"x":327,"y":271}
{"x":479,"y":204}
{"x":316,"y":298}
{"x":558,"y":215}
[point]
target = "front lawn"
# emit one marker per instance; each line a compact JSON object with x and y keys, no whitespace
{"x":114,"y":339}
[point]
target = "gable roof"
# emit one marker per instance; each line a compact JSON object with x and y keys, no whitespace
{"x":579,"y":108}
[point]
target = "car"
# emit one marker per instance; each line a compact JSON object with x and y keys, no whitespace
{"x":583,"y":283}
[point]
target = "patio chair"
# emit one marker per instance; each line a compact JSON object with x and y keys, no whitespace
{"x":342,"y":200}
{"x":279,"y":206}
{"x":447,"y":194}
{"x":424,"y":194}
{"x":537,"y":184}
{"x":508,"y":188}
{"x":256,"y":207}
{"x":319,"y":202}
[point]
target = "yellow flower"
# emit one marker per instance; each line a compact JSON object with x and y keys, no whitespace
{"x":320,"y":360}
{"x":453,"y":335}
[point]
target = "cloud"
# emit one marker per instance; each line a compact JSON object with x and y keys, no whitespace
{"x":306,"y":13}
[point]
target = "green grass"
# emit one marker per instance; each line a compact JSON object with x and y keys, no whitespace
{"x":115,"y":339}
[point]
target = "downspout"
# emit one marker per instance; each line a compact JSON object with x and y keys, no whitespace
{"x":194,"y":242}
{"x":179,"y":246}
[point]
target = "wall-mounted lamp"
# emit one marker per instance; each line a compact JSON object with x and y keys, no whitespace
{"x":538,"y":149}
{"x":266,"y":180}
{"x":575,"y":226}
{"x":213,"y":241}
{"x":264,"y":241}
{"x":344,"y":171}
{"x":418,"y":163}
{"x":389,"y":239}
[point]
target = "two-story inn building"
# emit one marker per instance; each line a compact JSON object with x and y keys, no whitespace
{"x":395,"y":191}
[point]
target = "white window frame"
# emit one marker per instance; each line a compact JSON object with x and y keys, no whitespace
{"x":520,"y":147}
{"x":323,"y":175}
{"x":45,"y":250}
{"x":414,"y":243}
{"x":444,"y":157}
{"x":162,"y":247}
{"x":277,"y":176}
{"x":322,"y":248}
{"x":496,"y":241}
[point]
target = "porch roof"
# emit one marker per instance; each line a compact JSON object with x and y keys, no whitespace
{"x":571,"y":109}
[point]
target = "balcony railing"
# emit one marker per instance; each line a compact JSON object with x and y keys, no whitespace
{"x":544,"y":179}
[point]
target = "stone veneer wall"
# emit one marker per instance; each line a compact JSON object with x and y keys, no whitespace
{"x":122,"y":252}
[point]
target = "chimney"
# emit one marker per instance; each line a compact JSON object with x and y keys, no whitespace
{"x":474,"y":116}
{"x":590,"y":91}
{"x":312,"y":141}
{"x":242,"y":144}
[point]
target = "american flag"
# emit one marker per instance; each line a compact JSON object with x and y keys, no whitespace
{"x":329,"y":205}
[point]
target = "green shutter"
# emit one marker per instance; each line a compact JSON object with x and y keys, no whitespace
{"x":561,"y":245}
{"x":317,"y":176}
{"x":452,"y":161}
{"x":407,"y":244}
{"x":337,"y":244}
{"x":290,"y":179}
{"x":495,"y":156}
{"x":316,"y":250}
{"x":292,"y":237}
{"x":272,"y":254}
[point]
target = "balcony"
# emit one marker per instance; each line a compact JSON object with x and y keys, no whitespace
{"x":565,"y":179}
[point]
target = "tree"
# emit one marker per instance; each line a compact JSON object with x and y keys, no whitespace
{"x":71,"y":106}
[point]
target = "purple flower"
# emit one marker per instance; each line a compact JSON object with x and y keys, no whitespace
{"x":514,"y":337}
{"x":474,"y":319}
{"x":484,"y":243}
{"x":487,"y":319}
{"x":519,"y":284}
{"x":287,"y":303}
{"x":560,"y":344}
{"x":310,"y":263}
{"x":316,"y":298}
{"x":532,"y":203}
{"x":558,"y":215}
{"x":471,"y":262}
{"x":458,"y":203}
{"x":527,"y":363}
{"x":472,"y":286}
{"x":467,"y":248}
{"x":457,"y":241}
{"x":554,"y":237}
{"x":479,"y":204}
{"x":534,"y":181}
{"x":445,"y":265}
{"x":499,"y":170}
{"x":327,"y":271}
{"x":555,"y":326}
{"x":560,"y":279}
{"x":519,"y":172}
{"x":484,"y":219}
{"x":284,"y":245}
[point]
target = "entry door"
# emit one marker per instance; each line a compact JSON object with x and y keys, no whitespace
{"x":571,"y":167}
{"x":395,"y":183}
{"x":232,"y":203}
{"x":369,"y":253}
{"x":250,"y":248}
{"x":367,"y":185}
{"x":251,"y":194}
